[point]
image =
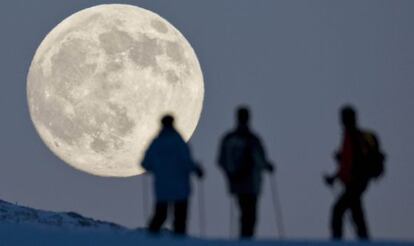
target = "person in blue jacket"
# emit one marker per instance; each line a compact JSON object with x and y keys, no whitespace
{"x":169,"y":160}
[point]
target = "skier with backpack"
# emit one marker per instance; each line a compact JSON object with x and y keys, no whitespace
{"x":242,"y":158}
{"x":360,"y":160}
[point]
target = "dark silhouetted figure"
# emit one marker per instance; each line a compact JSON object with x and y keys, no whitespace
{"x":169,"y":160}
{"x":359,"y":160}
{"x":243,"y":159}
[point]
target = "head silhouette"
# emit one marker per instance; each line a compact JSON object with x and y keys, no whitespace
{"x":349,"y":117}
{"x":243,"y":116}
{"x":167,"y":121}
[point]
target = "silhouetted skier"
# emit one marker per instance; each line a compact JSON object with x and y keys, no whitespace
{"x":360,"y":159}
{"x":169,"y":160}
{"x":243,"y":159}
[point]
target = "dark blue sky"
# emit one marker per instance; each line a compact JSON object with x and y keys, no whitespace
{"x":294,"y":62}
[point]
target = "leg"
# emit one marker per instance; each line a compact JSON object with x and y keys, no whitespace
{"x":159,"y":217}
{"x":180,"y":217}
{"x":359,"y":218}
{"x":252,"y":215}
{"x":248,"y":207}
{"x":338,"y":211}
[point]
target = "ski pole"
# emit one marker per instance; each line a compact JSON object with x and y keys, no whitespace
{"x":144,"y":199}
{"x":201,"y":209}
{"x":277,"y":208}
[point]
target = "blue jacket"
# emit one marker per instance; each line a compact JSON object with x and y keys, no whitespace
{"x":169,"y":159}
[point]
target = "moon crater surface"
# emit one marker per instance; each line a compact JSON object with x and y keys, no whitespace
{"x":101,"y":80}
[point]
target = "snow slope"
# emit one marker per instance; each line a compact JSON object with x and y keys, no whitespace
{"x":15,"y":214}
{"x":26,"y":226}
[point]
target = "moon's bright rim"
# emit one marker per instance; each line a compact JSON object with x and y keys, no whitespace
{"x":100,"y":81}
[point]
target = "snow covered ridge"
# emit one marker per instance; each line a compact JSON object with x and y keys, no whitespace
{"x":15,"y":214}
{"x":23,"y":226}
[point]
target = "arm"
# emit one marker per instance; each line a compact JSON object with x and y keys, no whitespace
{"x":221,"y":156}
{"x":222,"y":160}
{"x":259,"y":155}
{"x":190,"y":165}
{"x":146,"y":162}
{"x":330,"y":179}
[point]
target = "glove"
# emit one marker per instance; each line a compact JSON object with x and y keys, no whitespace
{"x":337,"y":156}
{"x":329,"y":179}
{"x":269,"y":167}
{"x":199,"y":171}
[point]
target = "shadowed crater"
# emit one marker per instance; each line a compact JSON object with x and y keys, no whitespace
{"x":115,"y":41}
{"x":144,"y":52}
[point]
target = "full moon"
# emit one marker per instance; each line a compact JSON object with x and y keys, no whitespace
{"x":101,"y":80}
